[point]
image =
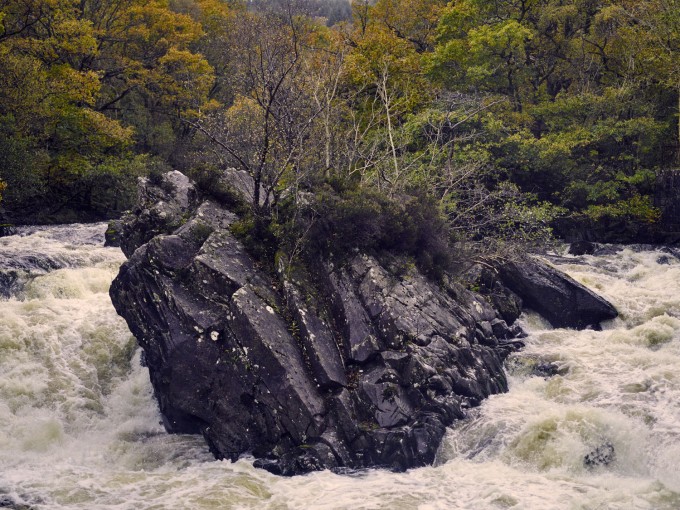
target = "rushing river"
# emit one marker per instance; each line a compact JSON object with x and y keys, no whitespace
{"x":79,"y":428}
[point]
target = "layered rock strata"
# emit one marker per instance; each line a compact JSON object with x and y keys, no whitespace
{"x":328,"y":368}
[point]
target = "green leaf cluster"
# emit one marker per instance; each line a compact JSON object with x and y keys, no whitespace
{"x":589,"y":118}
{"x":80,"y":85}
{"x":505,"y":115}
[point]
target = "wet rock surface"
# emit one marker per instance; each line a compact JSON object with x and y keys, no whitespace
{"x":325,"y":367}
{"x":582,"y":248}
{"x":7,"y":229}
{"x":11,"y":503}
{"x":556,"y":296}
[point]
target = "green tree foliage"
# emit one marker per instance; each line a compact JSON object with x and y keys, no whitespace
{"x":77,"y":82}
{"x":586,"y":119}
{"x":652,"y":32}
{"x":351,"y":112}
{"x":497,"y":115}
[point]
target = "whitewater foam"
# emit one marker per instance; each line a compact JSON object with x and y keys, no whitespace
{"x":79,"y":427}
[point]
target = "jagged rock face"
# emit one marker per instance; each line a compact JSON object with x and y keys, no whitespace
{"x":161,"y":207}
{"x":358,"y":368}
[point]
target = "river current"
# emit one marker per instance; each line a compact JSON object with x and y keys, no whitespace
{"x":79,"y":427}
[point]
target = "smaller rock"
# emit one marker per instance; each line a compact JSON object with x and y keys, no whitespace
{"x":112,"y":234}
{"x":546,"y":370}
{"x":7,"y":229}
{"x":485,"y":332}
{"x":507,"y":347}
{"x":517,"y":332}
{"x":582,"y":248}
{"x":10,"y":283}
{"x":672,"y":251}
{"x":603,"y":455}
{"x":501,"y":329}
{"x":555,"y":295}
{"x":663,"y":260}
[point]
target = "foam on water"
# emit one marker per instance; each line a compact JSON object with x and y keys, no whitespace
{"x":79,"y":428}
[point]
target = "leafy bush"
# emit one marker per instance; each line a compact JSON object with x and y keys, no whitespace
{"x":213,"y":183}
{"x":367,"y":221}
{"x":259,"y":237}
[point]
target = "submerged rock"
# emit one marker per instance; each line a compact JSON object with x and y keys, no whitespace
{"x":326,"y":368}
{"x":11,"y":504}
{"x":529,"y":365}
{"x":603,"y":455}
{"x":11,"y":282}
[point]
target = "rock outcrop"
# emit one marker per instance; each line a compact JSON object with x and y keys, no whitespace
{"x":327,"y":367}
{"x":7,"y":229}
{"x":324,"y":368}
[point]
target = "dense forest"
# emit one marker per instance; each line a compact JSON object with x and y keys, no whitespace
{"x":404,"y":121}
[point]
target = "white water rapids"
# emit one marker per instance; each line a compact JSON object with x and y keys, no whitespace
{"x":79,"y":428}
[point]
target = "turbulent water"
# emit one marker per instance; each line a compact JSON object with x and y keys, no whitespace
{"x":79,"y":428}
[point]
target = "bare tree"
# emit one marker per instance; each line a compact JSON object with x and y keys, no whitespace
{"x":277,"y":107}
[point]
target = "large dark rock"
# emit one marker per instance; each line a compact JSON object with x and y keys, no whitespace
{"x":323,"y":368}
{"x":556,"y":296}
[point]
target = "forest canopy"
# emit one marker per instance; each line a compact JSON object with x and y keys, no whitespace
{"x":502,"y":118}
